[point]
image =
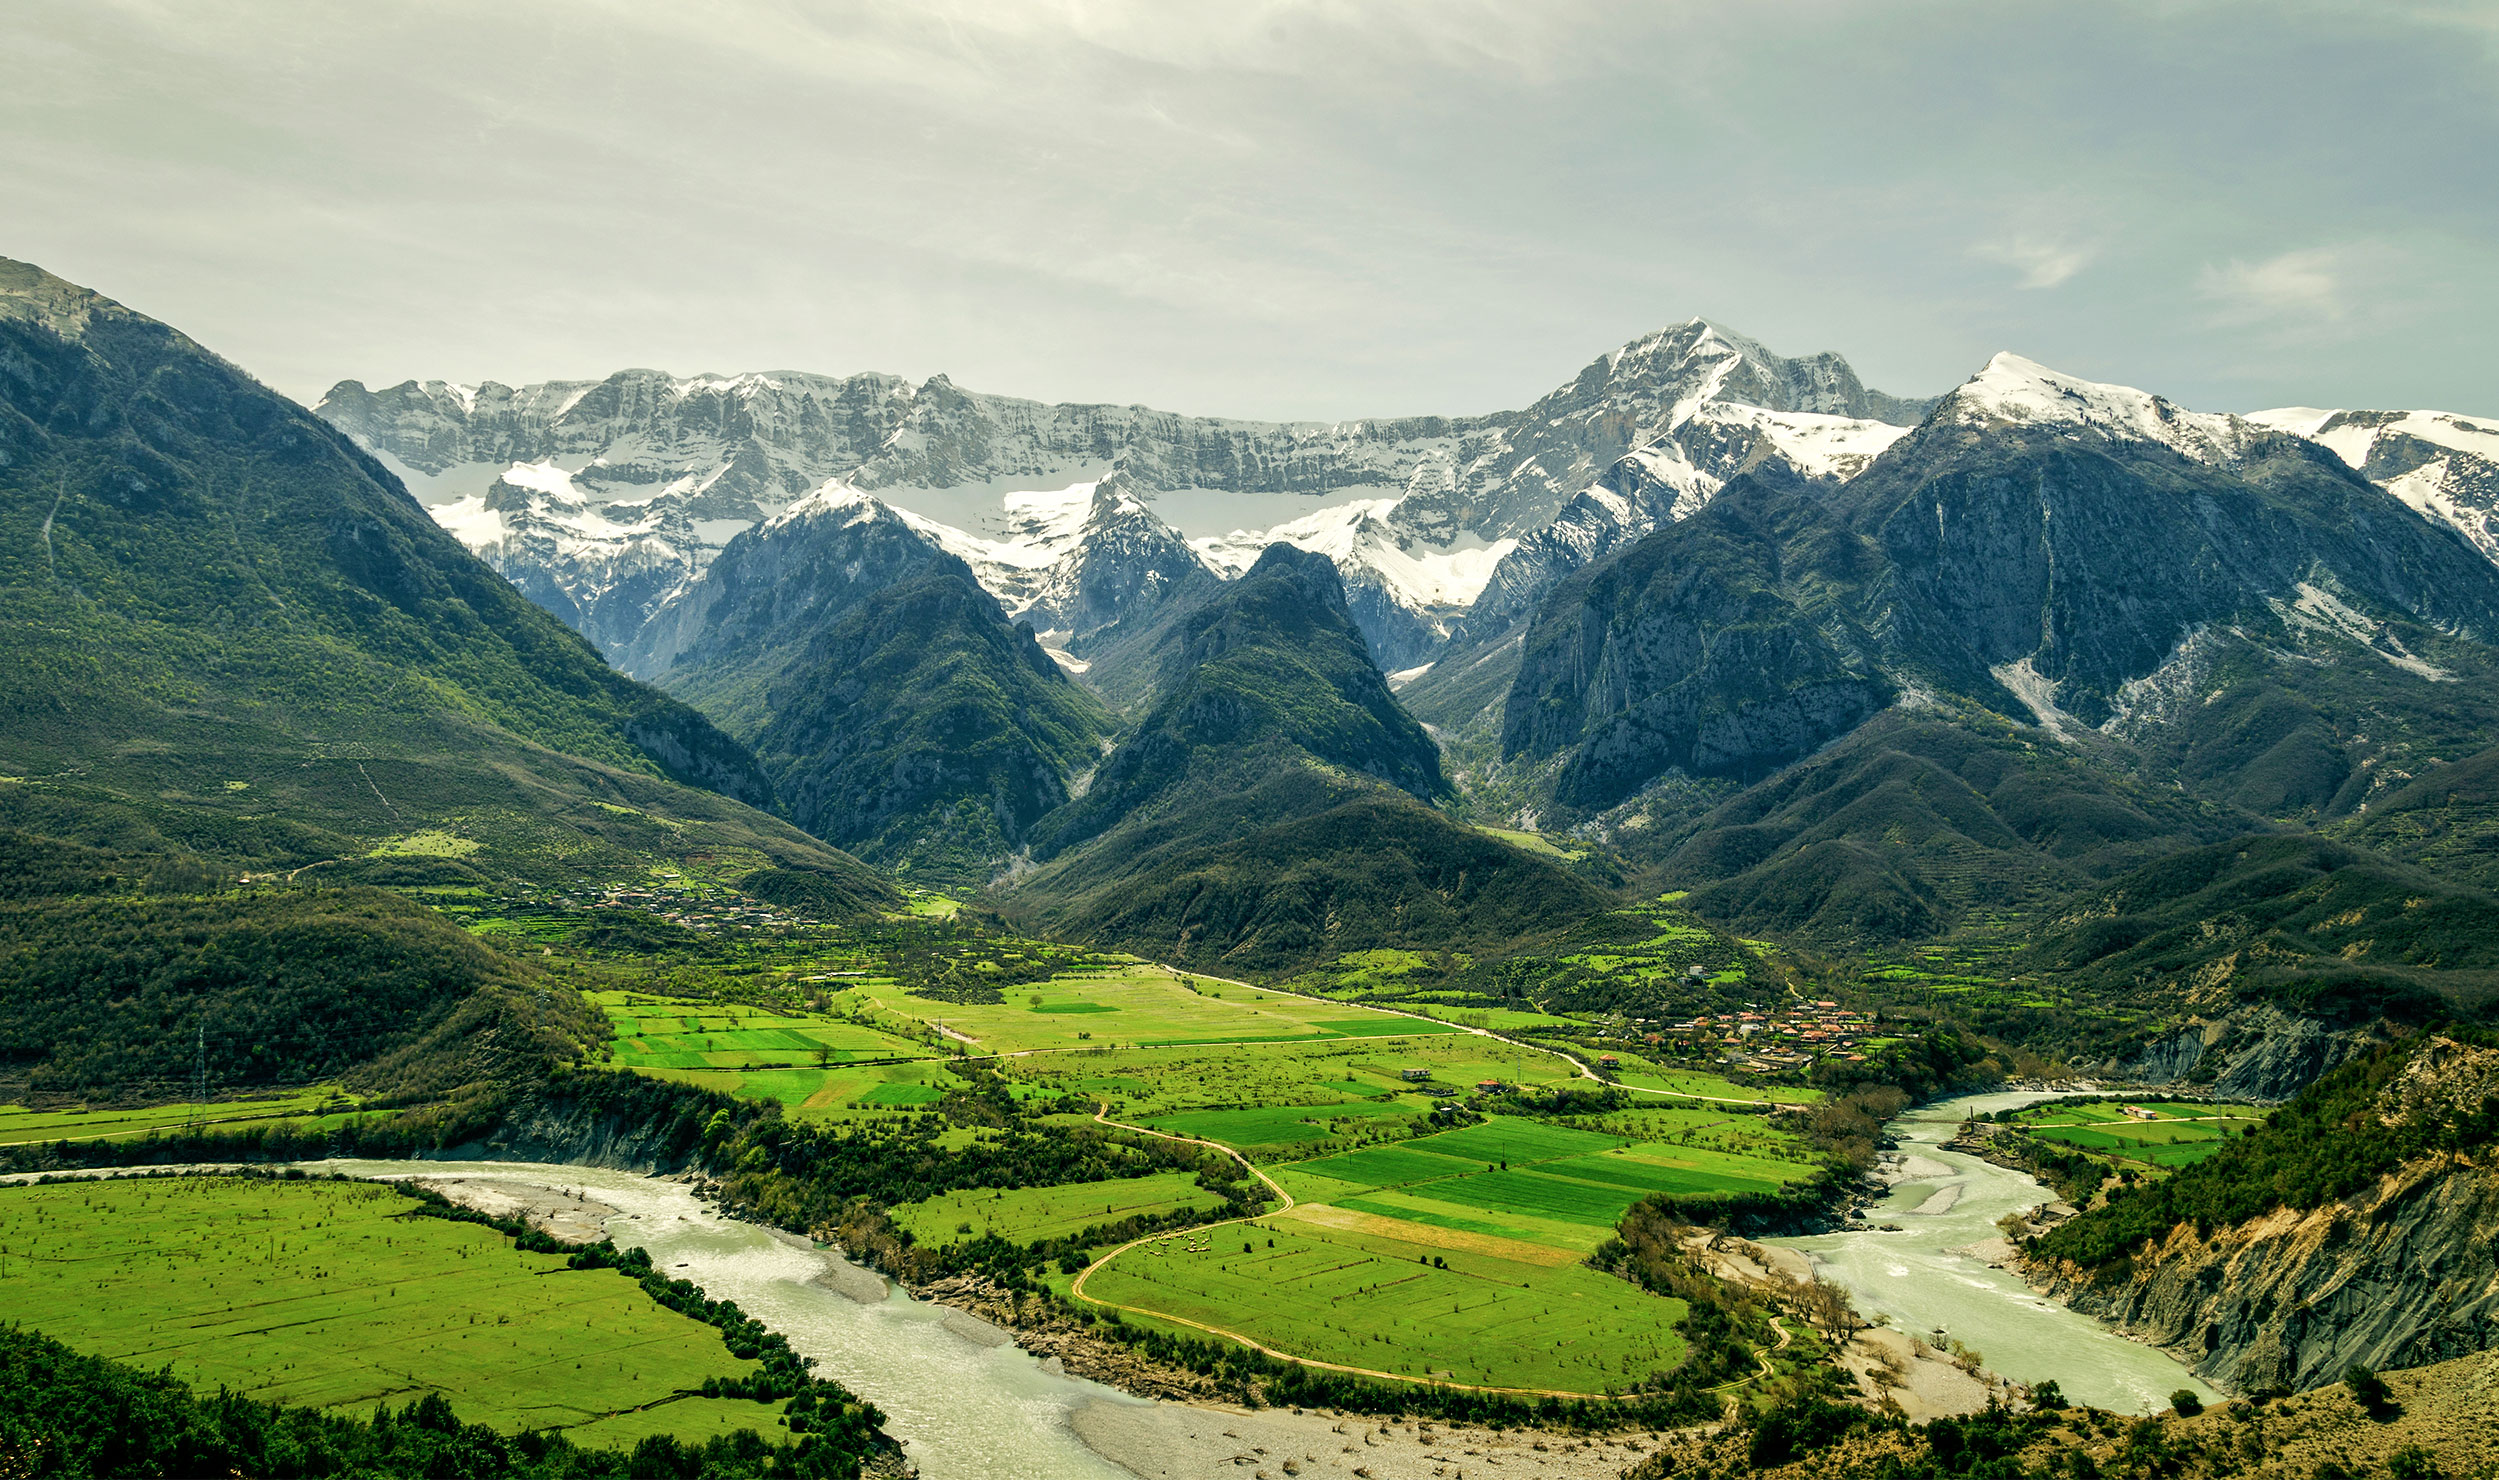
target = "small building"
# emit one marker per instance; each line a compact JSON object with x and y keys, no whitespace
{"x":1414,"y":1076}
{"x":1487,"y":1086}
{"x":1608,"y":1061}
{"x":2138,"y":1112}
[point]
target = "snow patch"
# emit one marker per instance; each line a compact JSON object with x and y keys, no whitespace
{"x":2013,"y":389}
{"x":1360,"y":539}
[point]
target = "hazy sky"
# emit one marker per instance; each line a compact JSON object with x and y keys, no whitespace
{"x":1278,"y":208}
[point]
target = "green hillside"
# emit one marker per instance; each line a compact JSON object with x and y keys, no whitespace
{"x":920,"y":729}
{"x":2325,"y":929}
{"x":1265,"y":814}
{"x":233,"y":634}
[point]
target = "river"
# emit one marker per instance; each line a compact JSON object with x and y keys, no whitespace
{"x":969,"y":1410}
{"x":964,"y":1410}
{"x":1919,"y":1280}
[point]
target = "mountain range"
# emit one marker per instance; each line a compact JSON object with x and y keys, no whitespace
{"x":1852,"y":670}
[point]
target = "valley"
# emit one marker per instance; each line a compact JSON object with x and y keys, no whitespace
{"x":1726,"y":903}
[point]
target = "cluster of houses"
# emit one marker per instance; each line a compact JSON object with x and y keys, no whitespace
{"x":1789,"y":1038}
{"x":709,"y":910}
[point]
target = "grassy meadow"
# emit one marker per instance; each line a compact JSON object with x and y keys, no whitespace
{"x":324,"y":1103}
{"x":2183,"y":1135}
{"x":1411,"y":1301}
{"x":1139,"y":1006}
{"x":1025,"y":1214}
{"x":334,"y":1295}
{"x":1458,"y":1255}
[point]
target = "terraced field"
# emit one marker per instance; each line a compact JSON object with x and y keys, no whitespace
{"x":331,"y":1294}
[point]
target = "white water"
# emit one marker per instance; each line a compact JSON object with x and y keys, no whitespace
{"x":1919,"y":1280}
{"x":963,"y":1411}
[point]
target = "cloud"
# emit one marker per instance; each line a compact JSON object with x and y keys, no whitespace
{"x":2044,"y":262}
{"x":2295,"y":285}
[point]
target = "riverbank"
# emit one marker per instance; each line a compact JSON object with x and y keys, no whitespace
{"x":1928,"y":1264}
{"x":1125,"y":1417}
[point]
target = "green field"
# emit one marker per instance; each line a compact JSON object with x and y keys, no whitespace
{"x":19,"y":1125}
{"x":1277,"y":1127}
{"x":2184,"y":1134}
{"x":1030,"y":1213}
{"x":1138,"y":1006}
{"x":1150,"y":1083}
{"x":1530,"y":1180}
{"x":1637,"y":1073}
{"x":334,"y":1295}
{"x":1365,"y":1293}
{"x":656,"y":1032}
{"x":830,"y":1094}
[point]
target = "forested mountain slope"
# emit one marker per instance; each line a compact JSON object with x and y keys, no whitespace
{"x":229,"y":625}
{"x":891,"y":701}
{"x":1266,"y":812}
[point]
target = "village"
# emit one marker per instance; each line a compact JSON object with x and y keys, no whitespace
{"x":1767,"y":1041}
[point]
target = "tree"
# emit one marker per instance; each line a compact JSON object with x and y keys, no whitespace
{"x":2369,"y":1391}
{"x":2186,"y":1402}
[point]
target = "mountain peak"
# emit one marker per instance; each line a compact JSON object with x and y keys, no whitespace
{"x":2018,"y":390}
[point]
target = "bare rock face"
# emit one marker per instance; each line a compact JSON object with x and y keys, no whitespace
{"x":2401,"y":1277}
{"x":2260,"y":1052}
{"x":2403,"y":1274}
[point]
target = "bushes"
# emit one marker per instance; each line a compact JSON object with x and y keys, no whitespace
{"x":2327,"y":1144}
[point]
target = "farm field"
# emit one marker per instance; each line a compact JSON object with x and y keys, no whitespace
{"x":1525,"y":1179}
{"x":1366,"y":1292}
{"x":2183,"y":1135}
{"x":1146,"y":1083}
{"x":1138,"y":1006}
{"x":1030,"y":1213}
{"x":1279,"y":1127}
{"x":655,"y":1032}
{"x":834,"y":1093}
{"x":332,"y":1295}
{"x":1638,"y":1073}
{"x":19,"y":1125}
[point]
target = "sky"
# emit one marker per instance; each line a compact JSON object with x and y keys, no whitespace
{"x":1286,"y":209}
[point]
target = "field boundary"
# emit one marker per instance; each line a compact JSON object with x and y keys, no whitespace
{"x":1077,"y":1289}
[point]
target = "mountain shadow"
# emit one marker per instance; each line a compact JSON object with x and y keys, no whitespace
{"x":1270,"y":810}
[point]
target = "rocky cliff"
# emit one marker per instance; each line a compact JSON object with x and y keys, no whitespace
{"x":2401,"y":1272}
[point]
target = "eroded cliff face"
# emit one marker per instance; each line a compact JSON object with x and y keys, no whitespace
{"x":2403,"y":1274}
{"x":2260,"y":1052}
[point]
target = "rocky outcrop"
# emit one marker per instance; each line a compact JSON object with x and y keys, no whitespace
{"x":2260,"y":1052}
{"x":2402,"y":1273}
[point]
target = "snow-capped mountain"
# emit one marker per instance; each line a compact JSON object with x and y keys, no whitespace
{"x":1404,"y":593}
{"x":2444,"y":465}
{"x":1075,"y":561}
{"x":2015,"y":391}
{"x":603,"y":569}
{"x":609,"y":493}
{"x":1719,"y":405}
